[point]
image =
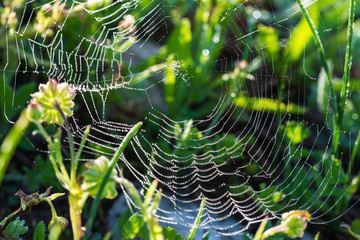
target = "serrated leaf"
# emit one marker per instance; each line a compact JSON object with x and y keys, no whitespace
{"x":133,"y":226}
{"x":93,"y":176}
{"x":171,"y":234}
{"x":39,"y":233}
{"x":15,"y":229}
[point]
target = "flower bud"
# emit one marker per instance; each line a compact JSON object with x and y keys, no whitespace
{"x":57,"y":226}
{"x":34,"y":112}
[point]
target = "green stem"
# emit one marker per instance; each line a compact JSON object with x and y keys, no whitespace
{"x":60,"y":176}
{"x":325,"y":66}
{"x":71,"y":145}
{"x":55,"y":155}
{"x":56,"y":147}
{"x":82,"y":144}
{"x":11,"y":217}
{"x":44,"y":133}
{"x":53,"y":211}
{"x":75,"y":216}
{"x":113,"y":162}
{"x":259,"y":232}
{"x":272,"y":231}
{"x":11,"y":141}
{"x":353,"y":156}
{"x":347,"y":67}
{"x":192,"y":232}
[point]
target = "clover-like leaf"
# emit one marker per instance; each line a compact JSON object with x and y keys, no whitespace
{"x":94,"y":175}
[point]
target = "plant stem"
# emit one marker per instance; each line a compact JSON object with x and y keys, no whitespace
{"x":325,"y":65}
{"x":113,"y":162}
{"x":11,"y":141}
{"x":259,"y":232}
{"x":56,"y":147}
{"x":347,"y":67}
{"x":192,"y":232}
{"x":353,"y":156}
{"x":75,"y":216}
{"x":71,"y":145}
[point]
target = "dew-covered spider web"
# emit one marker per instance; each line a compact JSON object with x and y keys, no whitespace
{"x":235,"y":119}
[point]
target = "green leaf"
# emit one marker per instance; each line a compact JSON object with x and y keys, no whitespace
{"x":301,"y":35}
{"x":317,"y":236}
{"x":206,"y":236}
{"x":296,"y":132}
{"x":355,"y":225}
{"x":268,"y":105}
{"x":171,"y":234}
{"x":247,"y":236}
{"x":93,"y":176}
{"x":155,"y":231}
{"x":15,"y":229}
{"x":170,"y":83}
{"x":149,"y":194}
{"x":180,"y":41}
{"x":268,"y":40}
{"x":133,"y":226}
{"x":39,"y":233}
{"x":193,"y":230}
{"x":121,"y":221}
{"x":323,"y":92}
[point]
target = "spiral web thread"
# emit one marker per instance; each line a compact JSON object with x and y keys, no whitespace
{"x":192,"y":159}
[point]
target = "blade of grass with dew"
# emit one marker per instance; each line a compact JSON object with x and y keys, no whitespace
{"x":259,"y":232}
{"x":353,"y":156}
{"x":113,"y":161}
{"x":324,"y":62}
{"x":11,"y":141}
{"x":347,"y":67}
{"x":193,"y":230}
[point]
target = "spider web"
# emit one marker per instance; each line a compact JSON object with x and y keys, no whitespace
{"x":236,"y":150}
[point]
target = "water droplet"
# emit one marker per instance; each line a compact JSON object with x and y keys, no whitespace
{"x":216,"y":39}
{"x":355,"y":116}
{"x":256,"y":14}
{"x":225,"y":77}
{"x":283,"y":42}
{"x":233,"y":95}
{"x":205,"y":52}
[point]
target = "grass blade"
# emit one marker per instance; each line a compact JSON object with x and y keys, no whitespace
{"x":114,"y":160}
{"x":324,"y":62}
{"x":193,"y":230}
{"x":11,"y":141}
{"x":347,"y":67}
